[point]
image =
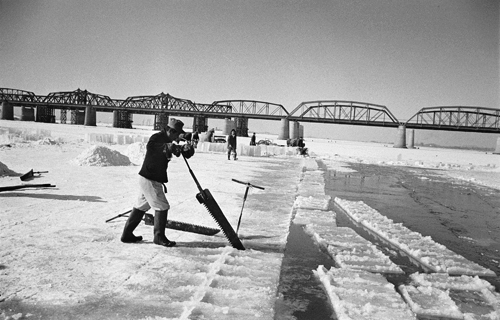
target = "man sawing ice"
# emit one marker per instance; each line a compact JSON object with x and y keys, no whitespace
{"x":152,"y":176}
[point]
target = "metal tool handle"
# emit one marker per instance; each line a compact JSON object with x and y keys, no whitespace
{"x":118,"y":216}
{"x":10,"y":188}
{"x":248,"y":184}
{"x":192,"y":175}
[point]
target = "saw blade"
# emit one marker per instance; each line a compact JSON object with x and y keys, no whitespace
{"x":182,"y":226}
{"x":194,"y":228}
{"x":213,"y":208}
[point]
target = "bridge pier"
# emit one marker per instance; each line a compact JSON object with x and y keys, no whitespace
{"x":497,"y":149}
{"x":284,"y":132}
{"x":122,"y":119}
{"x":90,"y":116}
{"x":295,"y":131}
{"x":400,"y":137}
{"x":77,"y":117}
{"x":242,"y":127}
{"x":45,"y":114}
{"x":228,"y":126}
{"x":161,"y":121}
{"x":27,"y":114}
{"x":7,"y":111}
{"x":63,"y":116}
{"x":200,"y":124}
{"x":411,"y":139}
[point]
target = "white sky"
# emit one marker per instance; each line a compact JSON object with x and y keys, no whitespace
{"x":402,"y":54}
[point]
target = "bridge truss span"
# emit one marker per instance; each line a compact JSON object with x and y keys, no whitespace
{"x":8,"y":94}
{"x":254,"y":109}
{"x":344,"y":112}
{"x":457,"y":118}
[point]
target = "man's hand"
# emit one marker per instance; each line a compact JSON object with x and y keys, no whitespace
{"x":185,"y":136}
{"x":172,"y":149}
{"x":187,"y":150}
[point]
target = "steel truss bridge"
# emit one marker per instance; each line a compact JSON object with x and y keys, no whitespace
{"x":449,"y":118}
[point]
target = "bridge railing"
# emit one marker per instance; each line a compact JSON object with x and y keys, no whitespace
{"x":343,"y":112}
{"x":460,"y":118}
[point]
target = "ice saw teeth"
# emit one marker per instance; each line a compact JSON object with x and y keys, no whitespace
{"x":176,"y":225}
{"x":206,"y":198}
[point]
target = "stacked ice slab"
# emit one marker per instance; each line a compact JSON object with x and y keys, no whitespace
{"x":354,"y":293}
{"x":246,"y":150}
{"x":430,"y":255}
{"x":115,"y":138}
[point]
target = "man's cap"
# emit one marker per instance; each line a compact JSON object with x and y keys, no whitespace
{"x":176,"y":125}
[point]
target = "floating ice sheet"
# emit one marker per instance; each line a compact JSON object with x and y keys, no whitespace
{"x":444,"y":281}
{"x":427,"y":253}
{"x":350,"y":250}
{"x":476,"y":298}
{"x":430,"y":302}
{"x":307,"y":216}
{"x":359,"y":295}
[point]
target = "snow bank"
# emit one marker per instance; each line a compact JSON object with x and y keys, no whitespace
{"x":100,"y":156}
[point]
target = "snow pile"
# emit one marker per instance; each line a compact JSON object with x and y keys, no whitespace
{"x":360,"y":295}
{"x":100,"y":156}
{"x":136,"y":152}
{"x":5,"y":171}
{"x":431,"y":255}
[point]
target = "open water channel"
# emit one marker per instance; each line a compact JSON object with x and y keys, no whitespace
{"x":462,"y":216}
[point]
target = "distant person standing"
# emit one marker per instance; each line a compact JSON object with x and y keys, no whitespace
{"x":195,"y":139}
{"x":252,"y":140}
{"x":300,"y":143}
{"x":231,"y":145}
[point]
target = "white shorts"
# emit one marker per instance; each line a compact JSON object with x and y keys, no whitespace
{"x":151,"y":196}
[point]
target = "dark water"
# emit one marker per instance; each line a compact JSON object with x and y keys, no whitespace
{"x":463,"y":217}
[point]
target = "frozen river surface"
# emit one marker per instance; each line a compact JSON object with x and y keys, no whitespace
{"x":462,"y":216}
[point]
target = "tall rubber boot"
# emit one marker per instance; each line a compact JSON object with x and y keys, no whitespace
{"x":133,"y":221}
{"x":159,"y":229}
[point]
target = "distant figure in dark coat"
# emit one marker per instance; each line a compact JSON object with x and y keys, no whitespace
{"x":252,"y":140}
{"x":195,"y":139}
{"x":231,"y":145}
